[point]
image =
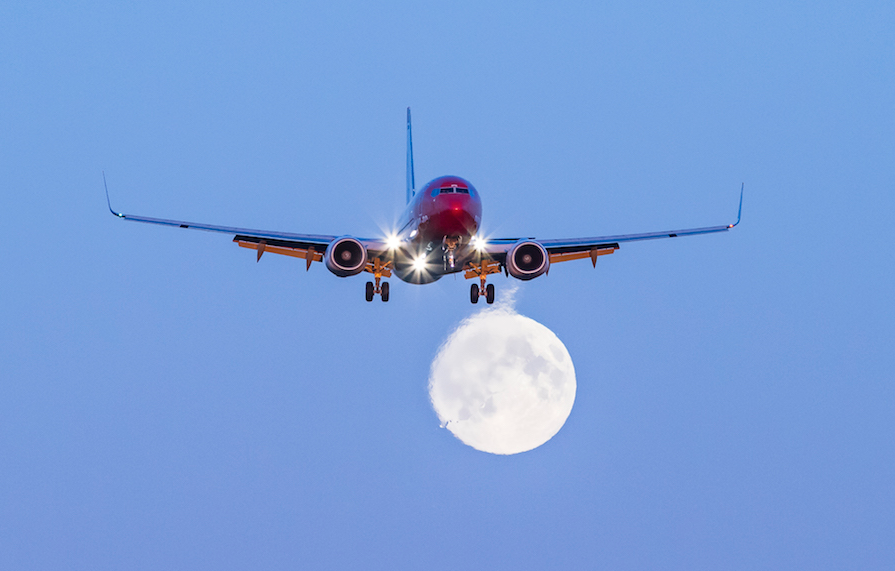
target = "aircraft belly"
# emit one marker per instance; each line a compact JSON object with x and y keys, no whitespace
{"x":435,"y":266}
{"x":407,"y":273}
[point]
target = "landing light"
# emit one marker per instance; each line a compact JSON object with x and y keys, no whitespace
{"x":419,"y":263}
{"x":478,"y":243}
{"x":392,"y":242}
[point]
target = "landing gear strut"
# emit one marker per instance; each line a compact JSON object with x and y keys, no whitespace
{"x":449,"y":246}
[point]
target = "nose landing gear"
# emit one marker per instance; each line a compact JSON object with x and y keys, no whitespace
{"x":449,"y":246}
{"x":482,"y":271}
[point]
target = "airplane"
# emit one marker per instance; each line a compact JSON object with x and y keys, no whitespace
{"x":437,"y":235}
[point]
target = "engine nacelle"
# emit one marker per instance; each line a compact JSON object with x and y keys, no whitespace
{"x":527,"y":260}
{"x":345,"y":256}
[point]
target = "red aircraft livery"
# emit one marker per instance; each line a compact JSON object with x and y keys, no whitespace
{"x":437,"y":235}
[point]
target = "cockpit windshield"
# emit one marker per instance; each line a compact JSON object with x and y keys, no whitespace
{"x":453,"y":189}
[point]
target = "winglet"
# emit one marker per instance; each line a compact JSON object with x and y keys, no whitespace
{"x":109,"y":202}
{"x":740,"y":210}
{"x":411,"y":184}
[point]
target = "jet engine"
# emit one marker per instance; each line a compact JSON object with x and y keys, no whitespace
{"x":527,"y":260}
{"x":345,"y":256}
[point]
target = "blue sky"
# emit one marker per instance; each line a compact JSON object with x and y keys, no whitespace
{"x":166,"y":402}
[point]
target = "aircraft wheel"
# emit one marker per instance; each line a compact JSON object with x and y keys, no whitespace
{"x":489,"y":293}
{"x":384,"y":294}
{"x":474,"y":293}
{"x":369,"y":291}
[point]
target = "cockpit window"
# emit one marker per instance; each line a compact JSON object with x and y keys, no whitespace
{"x":454,"y":189}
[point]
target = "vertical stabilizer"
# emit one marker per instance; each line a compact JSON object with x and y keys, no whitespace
{"x":411,"y":184}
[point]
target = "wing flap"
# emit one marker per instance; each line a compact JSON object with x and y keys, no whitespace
{"x":305,"y":251}
{"x":308,"y":252}
{"x":592,"y":253}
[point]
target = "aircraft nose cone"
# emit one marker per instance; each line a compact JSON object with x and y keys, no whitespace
{"x":456,"y":202}
{"x":455,"y":216}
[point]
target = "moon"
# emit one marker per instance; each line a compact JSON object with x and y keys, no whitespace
{"x":502,"y":382}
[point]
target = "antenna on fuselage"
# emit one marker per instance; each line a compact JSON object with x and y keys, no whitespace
{"x":411,"y":185}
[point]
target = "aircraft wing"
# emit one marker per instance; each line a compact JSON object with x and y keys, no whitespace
{"x":249,"y":234}
{"x":563,"y":250}
{"x":307,"y":246}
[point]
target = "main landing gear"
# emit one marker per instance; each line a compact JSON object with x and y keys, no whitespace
{"x":475,"y":292}
{"x":482,"y":271}
{"x":382,"y":290}
{"x":378,"y":269}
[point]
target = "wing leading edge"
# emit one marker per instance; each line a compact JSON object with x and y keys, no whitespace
{"x":307,"y":246}
{"x":566,"y":249}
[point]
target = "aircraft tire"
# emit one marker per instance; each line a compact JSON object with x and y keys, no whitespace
{"x":489,"y":293}
{"x":369,"y":291}
{"x":474,"y":293}
{"x":384,"y":294}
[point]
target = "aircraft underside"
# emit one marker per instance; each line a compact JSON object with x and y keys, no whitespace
{"x":428,"y":262}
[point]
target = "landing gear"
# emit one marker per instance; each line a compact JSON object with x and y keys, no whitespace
{"x":482,"y":271}
{"x":379,"y":270}
{"x":475,"y":292}
{"x":371,"y":291}
{"x":449,"y":246}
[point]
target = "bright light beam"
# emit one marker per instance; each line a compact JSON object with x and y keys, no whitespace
{"x":479,"y":244}
{"x":419,"y":263}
